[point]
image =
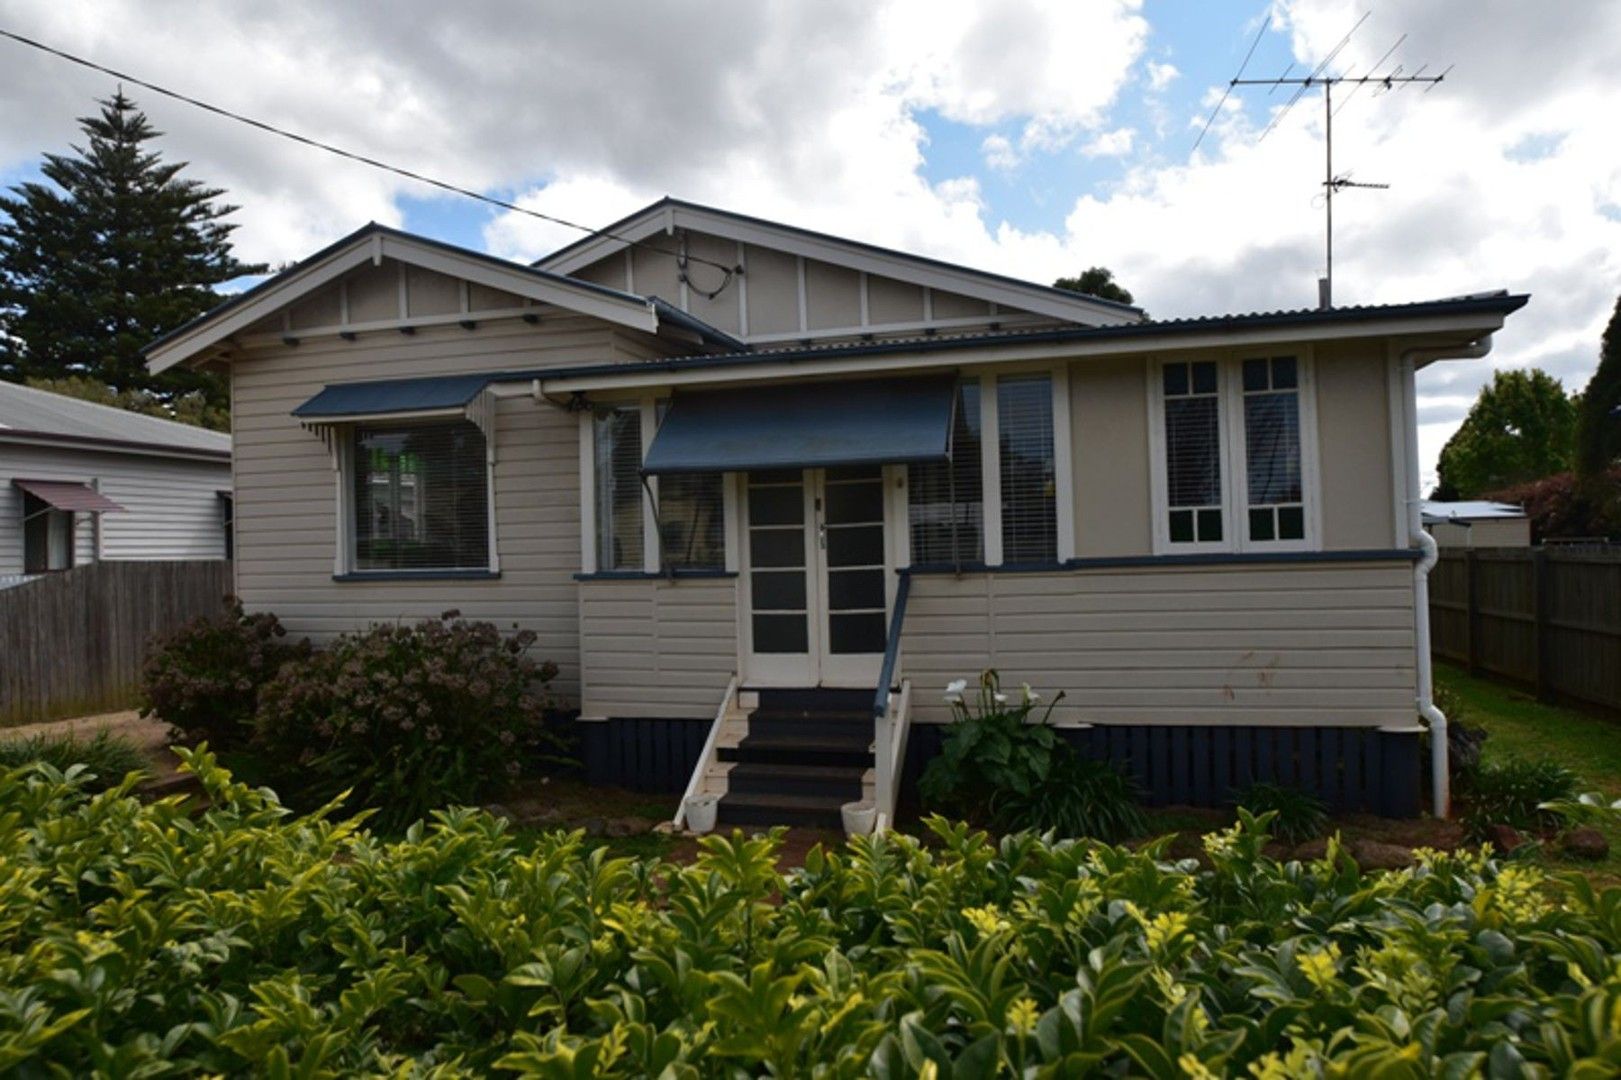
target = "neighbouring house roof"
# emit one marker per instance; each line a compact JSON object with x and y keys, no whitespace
{"x":373,"y":243}
{"x":1469,"y":510}
{"x":38,"y":416}
{"x":670,"y":213}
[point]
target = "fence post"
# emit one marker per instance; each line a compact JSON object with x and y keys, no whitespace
{"x":1539,"y":624}
{"x":1471,"y":600}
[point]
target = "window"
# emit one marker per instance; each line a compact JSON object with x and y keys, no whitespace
{"x":692,"y":517}
{"x":227,"y":504}
{"x":1024,"y":409}
{"x":47,"y":536}
{"x":1272,"y":465}
{"x":421,"y":497}
{"x":1193,"y":452}
{"x":617,"y":435}
{"x":1236,"y":438}
{"x":945,"y":500}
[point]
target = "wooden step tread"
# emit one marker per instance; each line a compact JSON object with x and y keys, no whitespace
{"x":740,"y":800}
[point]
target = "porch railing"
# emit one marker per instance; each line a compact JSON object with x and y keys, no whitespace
{"x":891,"y":714}
{"x":706,"y":757}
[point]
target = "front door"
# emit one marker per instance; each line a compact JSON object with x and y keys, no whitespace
{"x":817,"y":577}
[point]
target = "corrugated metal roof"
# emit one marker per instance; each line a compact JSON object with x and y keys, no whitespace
{"x":393,"y":396}
{"x":25,"y":411}
{"x":67,"y":495}
{"x":1469,"y":510}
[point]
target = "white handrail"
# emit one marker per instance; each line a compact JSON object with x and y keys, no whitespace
{"x":889,"y":745}
{"x":706,"y":757}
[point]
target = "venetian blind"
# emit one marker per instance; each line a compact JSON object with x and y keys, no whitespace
{"x":421,"y":497}
{"x":1193,"y":451}
{"x":1024,"y":409}
{"x":692,"y":517}
{"x":945,"y":501}
{"x":618,"y":443}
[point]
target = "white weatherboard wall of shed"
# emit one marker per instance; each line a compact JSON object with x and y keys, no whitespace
{"x":1287,"y":643}
{"x":285,"y":507}
{"x":171,"y":505}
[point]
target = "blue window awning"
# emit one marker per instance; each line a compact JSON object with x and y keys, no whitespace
{"x":392,"y":397}
{"x":806,"y":425}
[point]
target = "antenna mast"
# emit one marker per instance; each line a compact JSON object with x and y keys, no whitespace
{"x":1391,"y":80}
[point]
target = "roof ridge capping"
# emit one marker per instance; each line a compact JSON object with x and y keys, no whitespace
{"x":640,"y":219}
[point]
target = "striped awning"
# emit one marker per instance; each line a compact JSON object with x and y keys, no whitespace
{"x":67,"y":495}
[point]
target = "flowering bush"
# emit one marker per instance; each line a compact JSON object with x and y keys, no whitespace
{"x":136,"y":940}
{"x":999,"y":767}
{"x":204,"y":679}
{"x":410,"y":718}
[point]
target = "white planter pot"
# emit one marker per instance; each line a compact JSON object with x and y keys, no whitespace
{"x":859,"y":818}
{"x":701,"y":813}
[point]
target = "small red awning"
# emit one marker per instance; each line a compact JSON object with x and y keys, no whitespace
{"x":67,"y":495}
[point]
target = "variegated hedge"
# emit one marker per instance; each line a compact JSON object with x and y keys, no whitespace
{"x":138,"y":940}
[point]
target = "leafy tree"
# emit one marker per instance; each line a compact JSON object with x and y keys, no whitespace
{"x":115,"y":250}
{"x":1598,"y":427}
{"x":1097,"y":281}
{"x":1522,"y":427}
{"x":192,"y":407}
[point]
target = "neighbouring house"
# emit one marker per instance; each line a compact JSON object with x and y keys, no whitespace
{"x":762,"y":492}
{"x":1477,"y":523}
{"x":81,"y":482}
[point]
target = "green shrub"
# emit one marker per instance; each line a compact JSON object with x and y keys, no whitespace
{"x":409,"y":717}
{"x":1296,"y":815}
{"x":203,"y":680}
{"x":996,"y":767}
{"x":107,"y":758}
{"x":1511,"y":792}
{"x":135,"y":940}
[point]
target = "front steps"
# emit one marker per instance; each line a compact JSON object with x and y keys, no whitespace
{"x":795,"y":759}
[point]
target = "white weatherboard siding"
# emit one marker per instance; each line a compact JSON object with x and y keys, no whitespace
{"x":171,"y":505}
{"x":286,"y":520}
{"x":1290,"y":644}
{"x":657,"y":648}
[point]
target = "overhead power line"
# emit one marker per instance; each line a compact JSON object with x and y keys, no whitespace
{"x":397,"y":170}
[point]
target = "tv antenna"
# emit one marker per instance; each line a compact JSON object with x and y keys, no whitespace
{"x":1383,"y":82}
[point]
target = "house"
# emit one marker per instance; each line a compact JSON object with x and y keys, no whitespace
{"x":762,"y":492}
{"x":1477,"y":523}
{"x":81,"y":482}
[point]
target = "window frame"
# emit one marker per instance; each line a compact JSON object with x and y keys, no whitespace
{"x":1231,"y":446}
{"x":42,"y":519}
{"x":346,"y":562}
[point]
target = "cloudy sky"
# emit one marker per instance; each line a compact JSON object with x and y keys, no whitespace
{"x":1033,"y":138}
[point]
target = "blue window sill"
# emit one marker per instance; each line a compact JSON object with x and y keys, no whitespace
{"x":643,"y":575}
{"x":418,"y":575}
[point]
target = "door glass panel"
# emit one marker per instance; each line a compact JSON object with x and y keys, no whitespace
{"x":855,"y":545}
{"x":856,"y":632}
{"x":778,"y":584}
{"x":852,"y":503}
{"x":781,"y":633}
{"x":847,"y":589}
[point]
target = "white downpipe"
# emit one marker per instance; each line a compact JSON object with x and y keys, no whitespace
{"x":1440,"y":771}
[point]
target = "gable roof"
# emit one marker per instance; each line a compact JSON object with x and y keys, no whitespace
{"x":39,"y":416}
{"x":373,"y":243}
{"x":670,"y":213}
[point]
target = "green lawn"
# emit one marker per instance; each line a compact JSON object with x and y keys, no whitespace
{"x":1519,"y":725}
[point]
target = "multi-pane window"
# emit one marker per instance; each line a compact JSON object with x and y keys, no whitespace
{"x":617,"y":433}
{"x":1275,"y":494}
{"x":421,"y":497}
{"x":945,"y":500}
{"x":1193,"y":490}
{"x":1024,"y":408}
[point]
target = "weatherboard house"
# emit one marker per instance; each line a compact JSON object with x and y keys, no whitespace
{"x":763,"y":492}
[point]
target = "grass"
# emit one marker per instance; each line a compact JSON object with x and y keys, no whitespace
{"x":110,"y":757}
{"x":1518,"y":725}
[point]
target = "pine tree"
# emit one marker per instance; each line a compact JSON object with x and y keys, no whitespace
{"x":1598,"y":432}
{"x":114,"y":251}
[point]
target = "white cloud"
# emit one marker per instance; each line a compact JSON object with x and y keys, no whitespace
{"x":1111,"y":143}
{"x":1161,"y":75}
{"x":999,"y":153}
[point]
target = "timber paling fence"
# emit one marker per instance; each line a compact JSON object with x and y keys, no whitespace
{"x":72,"y":643}
{"x":1548,"y":618}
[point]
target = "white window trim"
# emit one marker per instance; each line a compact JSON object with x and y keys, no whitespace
{"x":340,"y":440}
{"x":1234,"y":495}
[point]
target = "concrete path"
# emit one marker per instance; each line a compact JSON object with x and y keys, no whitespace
{"x":150,"y":734}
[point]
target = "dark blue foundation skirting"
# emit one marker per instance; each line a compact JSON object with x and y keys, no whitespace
{"x":1351,"y":769}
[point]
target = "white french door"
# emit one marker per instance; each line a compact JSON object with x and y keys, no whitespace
{"x":817,"y":560}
